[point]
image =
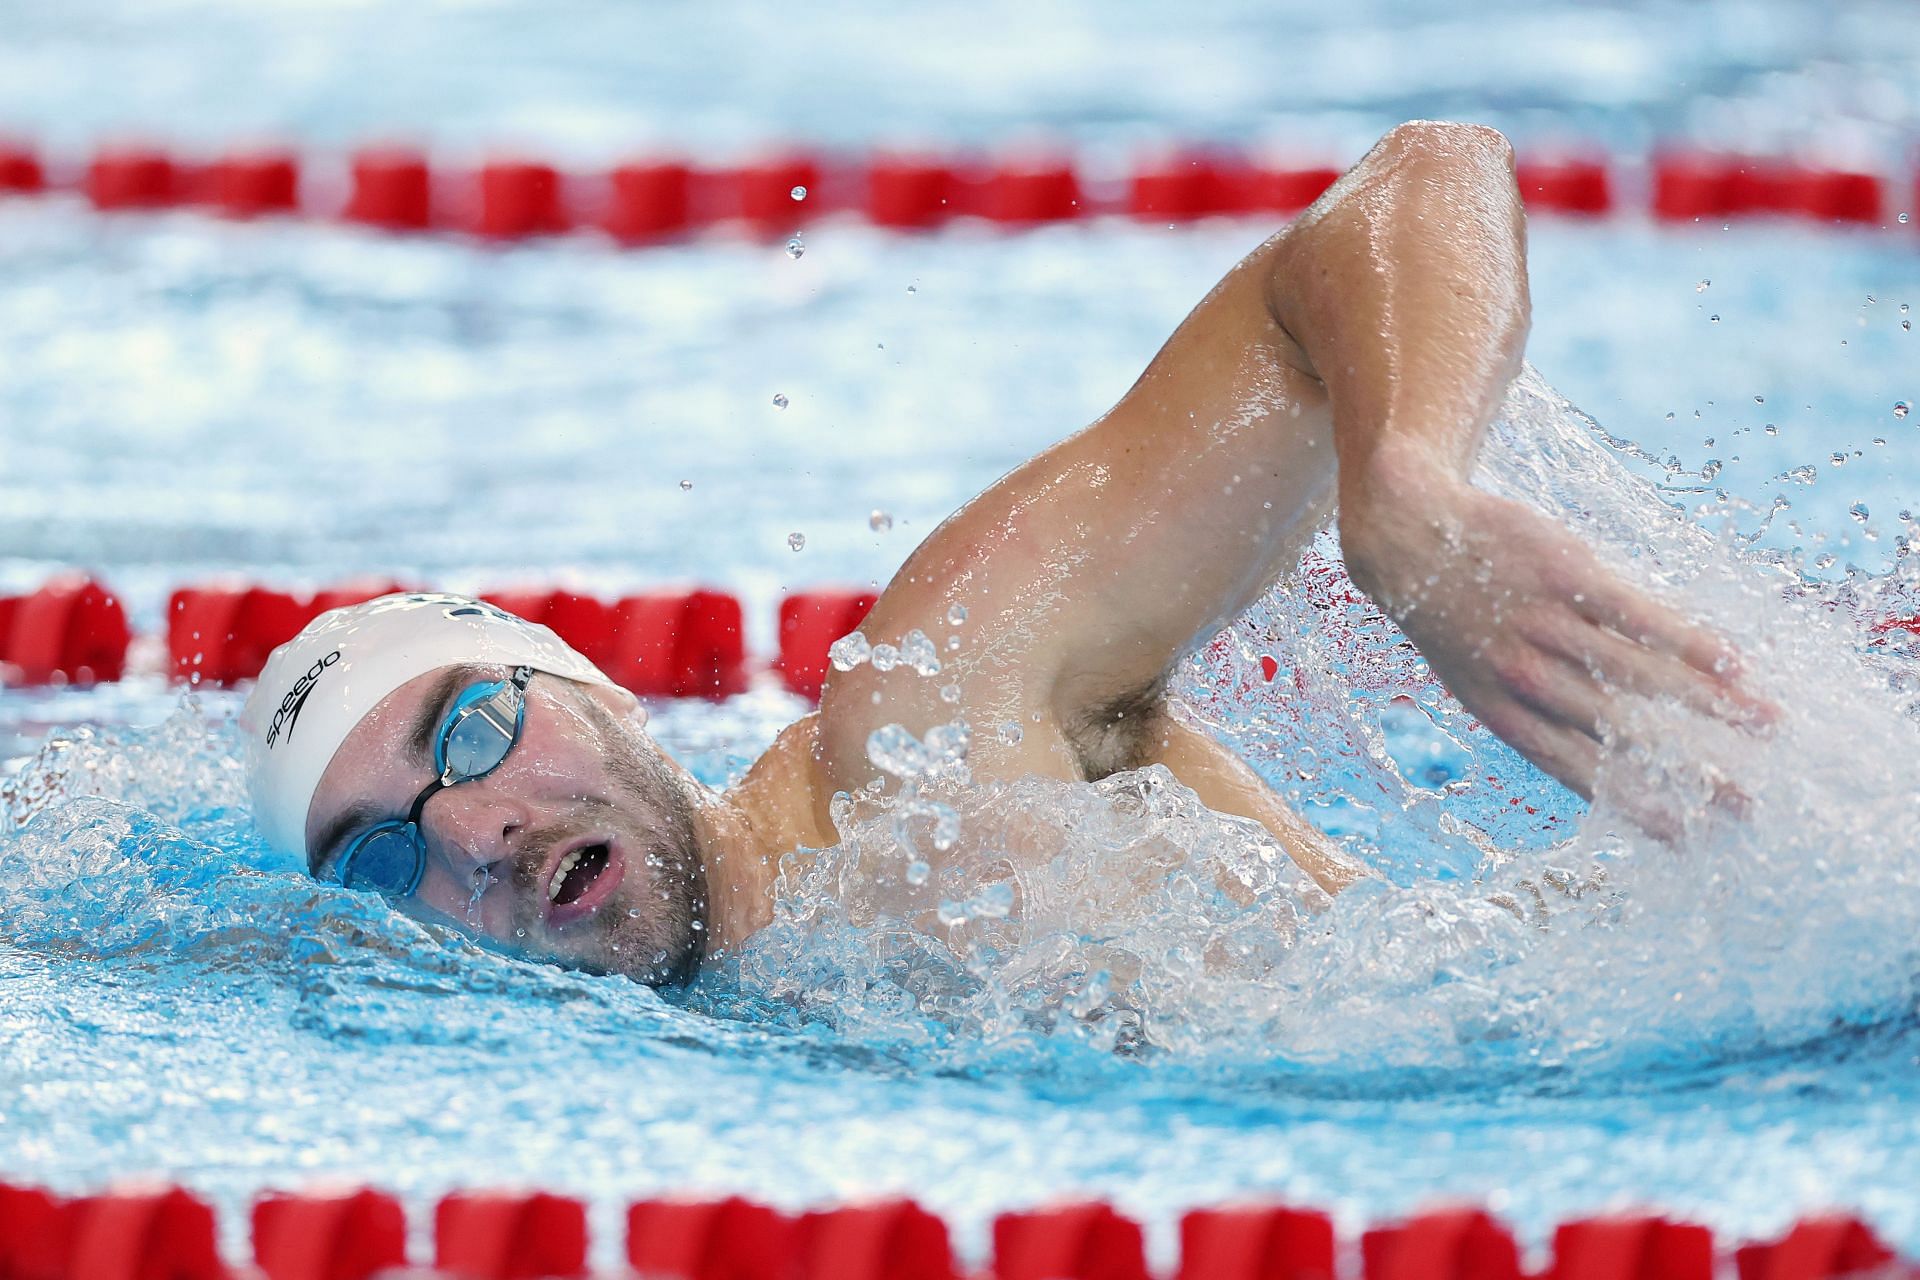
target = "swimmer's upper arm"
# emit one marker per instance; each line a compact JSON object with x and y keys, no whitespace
{"x":1089,"y":570}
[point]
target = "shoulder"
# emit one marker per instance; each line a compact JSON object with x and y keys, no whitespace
{"x":785,"y":794}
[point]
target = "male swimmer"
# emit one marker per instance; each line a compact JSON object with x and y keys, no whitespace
{"x":475,"y":769}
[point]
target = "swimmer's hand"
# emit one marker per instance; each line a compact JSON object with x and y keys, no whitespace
{"x":1523,"y":623}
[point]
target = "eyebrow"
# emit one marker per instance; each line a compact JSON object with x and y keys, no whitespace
{"x":418,"y":749}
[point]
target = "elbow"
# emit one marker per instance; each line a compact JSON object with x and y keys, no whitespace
{"x":1446,"y":143}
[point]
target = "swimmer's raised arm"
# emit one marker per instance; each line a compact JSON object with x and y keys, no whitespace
{"x":1357,"y":355}
{"x":1407,"y":295}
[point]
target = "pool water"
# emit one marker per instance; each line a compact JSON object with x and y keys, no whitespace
{"x":1724,"y":1027}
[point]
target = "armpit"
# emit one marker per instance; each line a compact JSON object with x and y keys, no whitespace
{"x":1118,"y":733}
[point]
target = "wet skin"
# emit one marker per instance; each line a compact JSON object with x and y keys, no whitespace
{"x":1354,"y":361}
{"x":498,"y":846}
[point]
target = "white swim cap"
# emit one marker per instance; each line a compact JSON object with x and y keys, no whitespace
{"x":317,"y":686}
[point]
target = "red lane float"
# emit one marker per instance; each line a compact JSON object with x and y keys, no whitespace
{"x":1197,"y":184}
{"x":731,"y":1239}
{"x":252,"y":184}
{"x":1644,"y":1248}
{"x":1256,"y":1243}
{"x":71,"y":631}
{"x":1691,"y":186}
{"x":134,"y":178}
{"x":520,"y":198}
{"x":810,"y":621}
{"x":896,"y":1240}
{"x":36,"y":1231}
{"x":222,"y":635}
{"x":1073,"y":1242}
{"x":141,"y":1235}
{"x":647,"y":202}
{"x":392,"y":189}
{"x":1028,"y":190}
{"x":20,"y":170}
{"x":910,"y":193}
{"x":1286,"y":190}
{"x":348,"y":1235}
{"x":1816,"y":1249}
{"x":1458,"y":1244}
{"x":1576,"y":186}
{"x":505,"y":1236}
{"x":761,"y":194}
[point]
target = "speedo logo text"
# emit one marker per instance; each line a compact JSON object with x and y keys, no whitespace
{"x":289,"y":709}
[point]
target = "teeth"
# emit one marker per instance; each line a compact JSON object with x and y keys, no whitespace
{"x":560,"y":874}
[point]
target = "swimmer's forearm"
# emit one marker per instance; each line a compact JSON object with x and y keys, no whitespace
{"x":1406,"y":289}
{"x":1226,"y":783}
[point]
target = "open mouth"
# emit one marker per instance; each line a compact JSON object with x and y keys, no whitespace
{"x":582,"y":880}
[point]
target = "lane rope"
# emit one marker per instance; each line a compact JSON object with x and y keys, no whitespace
{"x":661,"y":199}
{"x":356,"y":1234}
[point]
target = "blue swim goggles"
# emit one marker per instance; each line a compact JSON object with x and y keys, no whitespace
{"x":479,"y":730}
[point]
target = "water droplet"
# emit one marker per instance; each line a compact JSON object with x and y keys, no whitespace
{"x":953,"y":644}
{"x":1825,"y":560}
{"x":1903,"y":219}
{"x":1906,"y":326}
{"x":1837,"y":459}
{"x":949,"y":693}
{"x":798,"y":193}
{"x":1901,"y":408}
{"x":1759,"y":399}
{"x":1703,"y":286}
{"x":916,"y":650}
{"x":1772,"y":430}
{"x":685,"y":485}
{"x":1009,"y":733}
{"x":879,"y":521}
{"x":780,"y":400}
{"x":918,"y":871}
{"x":1669,"y":415}
{"x":911,"y":289}
{"x":1714,"y":318}
{"x":796,"y":247}
{"x":1859,"y":512}
{"x":797,"y":541}
{"x":956,"y":614}
{"x":849,"y":651}
{"x":885,"y":657}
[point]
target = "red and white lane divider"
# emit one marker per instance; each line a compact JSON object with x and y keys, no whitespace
{"x":660,"y":644}
{"x":656,"y":199}
{"x":361,"y":1234}
{"x":681,"y":643}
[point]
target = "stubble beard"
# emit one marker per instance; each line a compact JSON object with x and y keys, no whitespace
{"x":654,"y":928}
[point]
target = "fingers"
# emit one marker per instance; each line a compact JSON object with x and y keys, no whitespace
{"x":1632,"y":613}
{"x":1619,"y":665}
{"x":1649,"y":649}
{"x":1552,"y":744}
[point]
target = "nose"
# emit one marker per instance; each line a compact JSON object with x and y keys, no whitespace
{"x":472,"y":825}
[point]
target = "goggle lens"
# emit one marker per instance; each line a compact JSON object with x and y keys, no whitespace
{"x":482,"y":728}
{"x":479,"y":731}
{"x":386,"y":859}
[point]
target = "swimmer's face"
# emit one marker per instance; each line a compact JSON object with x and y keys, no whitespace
{"x":579,"y":848}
